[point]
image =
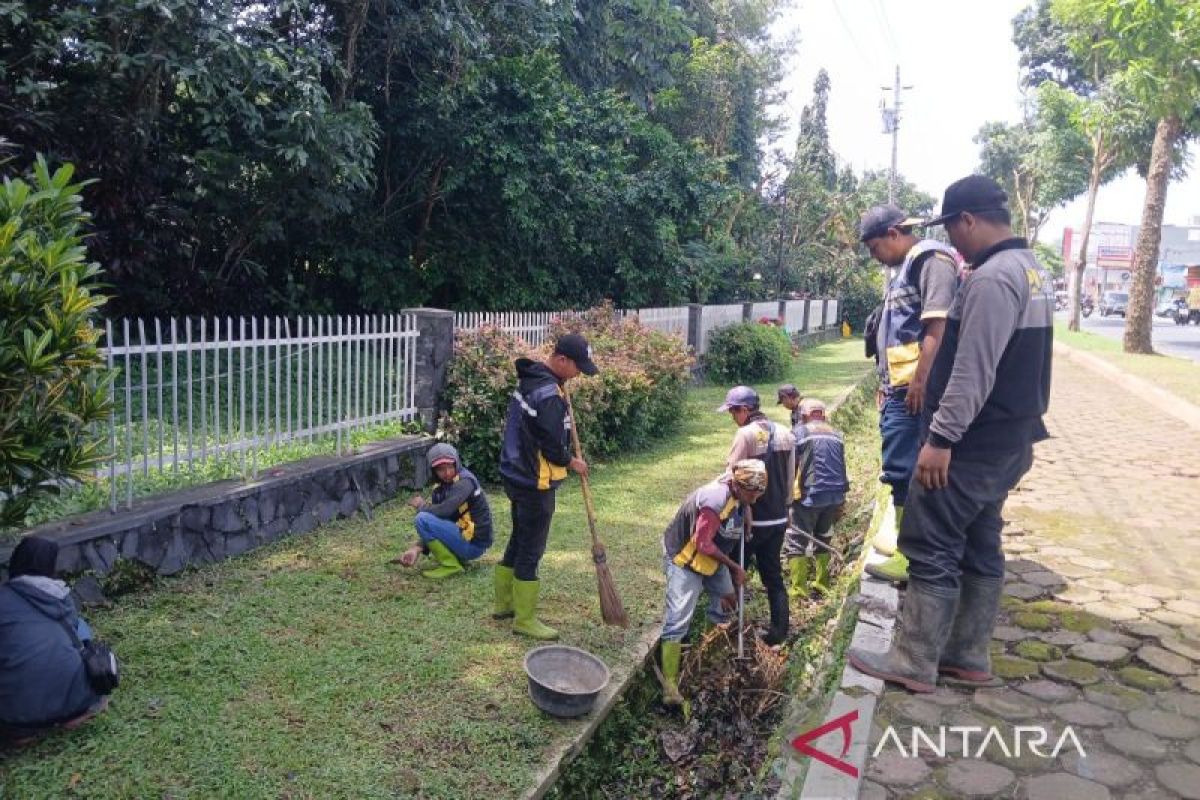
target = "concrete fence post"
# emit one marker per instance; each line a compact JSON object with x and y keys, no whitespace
{"x":434,"y":349}
{"x":824,"y":313}
{"x":695,"y":327}
{"x":747,"y":312}
{"x":807,"y":306}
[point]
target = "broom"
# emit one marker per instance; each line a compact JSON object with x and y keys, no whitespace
{"x":611,"y":608}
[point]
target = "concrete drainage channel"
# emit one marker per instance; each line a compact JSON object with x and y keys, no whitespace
{"x":737,"y":740}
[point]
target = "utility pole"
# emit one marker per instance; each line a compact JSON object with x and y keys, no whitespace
{"x":891,"y":124}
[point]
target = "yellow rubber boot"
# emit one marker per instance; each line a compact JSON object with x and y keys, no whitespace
{"x":450,"y":565}
{"x":798,"y":569}
{"x":503,"y":578}
{"x":670,"y":652}
{"x":525,"y":603}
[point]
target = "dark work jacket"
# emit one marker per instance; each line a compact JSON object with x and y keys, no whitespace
{"x":42,"y":677}
{"x":990,"y":382}
{"x":474,"y":517}
{"x":537,"y":430}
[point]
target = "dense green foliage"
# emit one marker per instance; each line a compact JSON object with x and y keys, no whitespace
{"x":300,"y":155}
{"x":637,"y":398}
{"x":748,"y":352}
{"x":52,"y":389}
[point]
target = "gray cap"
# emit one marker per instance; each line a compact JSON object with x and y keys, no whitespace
{"x":875,"y":223}
{"x":739,"y":396}
{"x":441,"y":453}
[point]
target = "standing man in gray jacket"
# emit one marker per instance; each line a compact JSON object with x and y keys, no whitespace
{"x":987,"y":392}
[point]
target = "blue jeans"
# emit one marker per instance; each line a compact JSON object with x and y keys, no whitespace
{"x":683,"y":592}
{"x":953,"y":531}
{"x":431,"y":528}
{"x":899,"y":430}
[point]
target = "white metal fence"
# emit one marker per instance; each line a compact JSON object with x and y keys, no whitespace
{"x":194,"y":391}
{"x":718,"y":317}
{"x":769,"y":310}
{"x":532,"y":326}
{"x":831,"y":313}
{"x":672,"y":321}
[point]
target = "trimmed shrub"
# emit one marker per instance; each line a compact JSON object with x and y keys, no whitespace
{"x":53,"y":388}
{"x":747,"y":353}
{"x":637,"y":397}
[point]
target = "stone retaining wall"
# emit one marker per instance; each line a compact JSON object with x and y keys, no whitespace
{"x":209,"y":523}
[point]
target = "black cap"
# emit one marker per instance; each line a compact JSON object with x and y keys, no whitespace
{"x":576,"y":348}
{"x":787,"y":390}
{"x":875,"y":223}
{"x":973,"y":193}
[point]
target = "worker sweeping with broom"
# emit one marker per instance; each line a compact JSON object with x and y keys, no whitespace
{"x":533,"y":461}
{"x":697,"y":556}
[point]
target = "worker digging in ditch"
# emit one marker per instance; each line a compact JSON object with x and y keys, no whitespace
{"x":818,"y":499}
{"x":456,"y":527}
{"x":774,"y":445}
{"x":697,"y":547}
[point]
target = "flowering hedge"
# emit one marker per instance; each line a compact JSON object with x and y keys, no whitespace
{"x":637,"y":397}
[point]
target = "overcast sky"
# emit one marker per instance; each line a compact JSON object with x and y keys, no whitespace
{"x":961,"y":62}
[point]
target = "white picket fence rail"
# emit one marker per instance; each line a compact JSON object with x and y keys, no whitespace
{"x":533,"y":326}
{"x":192,"y":391}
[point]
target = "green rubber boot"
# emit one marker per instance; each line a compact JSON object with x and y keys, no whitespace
{"x":798,"y":572}
{"x":503,"y":578}
{"x":895,"y":569}
{"x":525,"y":603}
{"x":670,"y":652}
{"x":820,"y":581}
{"x":450,"y":565}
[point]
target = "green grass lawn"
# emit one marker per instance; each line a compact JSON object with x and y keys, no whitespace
{"x":311,"y":668}
{"x":1177,"y":375}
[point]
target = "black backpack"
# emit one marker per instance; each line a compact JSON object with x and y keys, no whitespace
{"x":871,"y":332}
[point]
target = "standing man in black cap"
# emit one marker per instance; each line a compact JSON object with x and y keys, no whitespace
{"x":910,"y":328}
{"x":986,"y":395}
{"x":774,"y":445}
{"x":533,"y":462}
{"x":789,"y":397}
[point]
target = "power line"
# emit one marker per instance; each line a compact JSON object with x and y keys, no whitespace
{"x":846,"y":27}
{"x":882,"y":17}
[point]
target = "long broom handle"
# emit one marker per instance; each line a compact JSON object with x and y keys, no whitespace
{"x":587,"y":491}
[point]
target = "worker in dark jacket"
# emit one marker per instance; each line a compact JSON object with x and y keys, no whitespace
{"x":457,"y":525}
{"x":533,"y":461}
{"x":818,"y":498}
{"x":773,"y":444}
{"x":43,"y":682}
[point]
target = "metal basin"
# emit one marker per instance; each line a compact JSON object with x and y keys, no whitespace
{"x":564,"y":681}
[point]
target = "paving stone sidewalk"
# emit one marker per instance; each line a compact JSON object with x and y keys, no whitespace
{"x":1100,"y":629}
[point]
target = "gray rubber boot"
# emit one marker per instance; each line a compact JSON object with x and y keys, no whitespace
{"x":925,"y":621}
{"x":966,"y":658}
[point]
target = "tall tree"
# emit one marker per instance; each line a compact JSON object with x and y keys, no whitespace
{"x":1157,"y":42}
{"x":1034,"y":162}
{"x":1098,"y":133}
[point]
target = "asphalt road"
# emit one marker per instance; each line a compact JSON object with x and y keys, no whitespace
{"x":1176,"y":340}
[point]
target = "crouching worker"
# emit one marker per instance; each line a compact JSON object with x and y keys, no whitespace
{"x":818,"y":499}
{"x":456,"y":526}
{"x":44,"y":682}
{"x":696,"y":549}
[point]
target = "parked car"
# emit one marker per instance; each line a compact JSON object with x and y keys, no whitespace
{"x":1114,"y":303}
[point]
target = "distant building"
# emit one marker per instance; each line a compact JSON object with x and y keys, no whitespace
{"x":1110,"y":254}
